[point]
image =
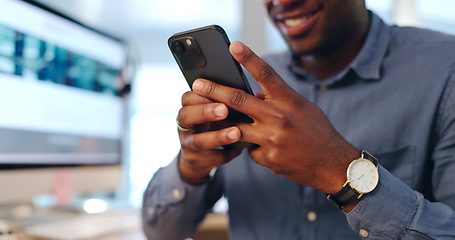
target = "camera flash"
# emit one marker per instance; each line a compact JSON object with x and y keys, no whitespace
{"x":188,"y":42}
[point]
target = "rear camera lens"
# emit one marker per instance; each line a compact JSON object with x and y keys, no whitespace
{"x":177,"y":47}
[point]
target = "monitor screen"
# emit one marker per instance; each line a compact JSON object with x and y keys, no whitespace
{"x":60,"y":91}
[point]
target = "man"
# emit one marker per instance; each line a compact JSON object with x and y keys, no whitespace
{"x":349,"y":83}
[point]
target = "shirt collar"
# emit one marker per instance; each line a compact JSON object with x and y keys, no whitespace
{"x":367,"y":64}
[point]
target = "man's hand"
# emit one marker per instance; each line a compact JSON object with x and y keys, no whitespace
{"x":295,"y":137}
{"x":201,"y":136}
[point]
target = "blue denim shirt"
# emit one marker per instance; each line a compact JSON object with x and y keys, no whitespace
{"x":396,"y":100}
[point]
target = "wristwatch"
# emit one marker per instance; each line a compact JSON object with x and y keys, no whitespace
{"x":362,"y":178}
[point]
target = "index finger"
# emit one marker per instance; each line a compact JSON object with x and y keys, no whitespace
{"x":231,"y":97}
{"x":271,"y":83}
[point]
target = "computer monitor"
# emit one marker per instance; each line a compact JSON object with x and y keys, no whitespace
{"x":62,"y":115}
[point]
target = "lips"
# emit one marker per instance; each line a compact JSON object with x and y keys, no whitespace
{"x":299,"y":24}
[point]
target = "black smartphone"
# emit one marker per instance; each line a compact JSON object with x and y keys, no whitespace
{"x":204,"y":53}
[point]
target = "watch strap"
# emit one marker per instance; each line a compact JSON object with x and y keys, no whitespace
{"x":344,"y":197}
{"x":368,"y":156}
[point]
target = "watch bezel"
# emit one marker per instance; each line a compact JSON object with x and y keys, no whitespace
{"x":349,"y":180}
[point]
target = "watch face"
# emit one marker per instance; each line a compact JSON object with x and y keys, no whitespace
{"x":363,"y":175}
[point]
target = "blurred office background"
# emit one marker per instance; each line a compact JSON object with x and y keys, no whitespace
{"x":158,"y":83}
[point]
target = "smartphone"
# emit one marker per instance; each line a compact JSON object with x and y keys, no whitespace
{"x":204,"y":53}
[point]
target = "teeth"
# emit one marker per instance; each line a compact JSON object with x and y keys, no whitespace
{"x":295,"y":21}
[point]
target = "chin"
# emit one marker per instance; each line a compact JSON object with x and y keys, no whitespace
{"x":301,"y":48}
{"x":307,"y":46}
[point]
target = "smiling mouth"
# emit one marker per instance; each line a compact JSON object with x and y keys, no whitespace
{"x":295,"y":21}
{"x":298,"y":24}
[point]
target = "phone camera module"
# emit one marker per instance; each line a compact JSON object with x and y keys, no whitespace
{"x":177,"y":47}
{"x":187,"y":53}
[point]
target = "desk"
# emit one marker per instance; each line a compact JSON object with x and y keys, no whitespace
{"x":55,"y":223}
{"x":213,"y":227}
{"x":134,"y":233}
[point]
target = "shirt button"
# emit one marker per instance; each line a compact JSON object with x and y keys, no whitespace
{"x":176,"y":193}
{"x":363,"y":233}
{"x":311,"y":216}
{"x":150,"y":211}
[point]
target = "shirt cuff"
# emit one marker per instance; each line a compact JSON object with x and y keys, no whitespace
{"x":165,"y":189}
{"x":386,"y":212}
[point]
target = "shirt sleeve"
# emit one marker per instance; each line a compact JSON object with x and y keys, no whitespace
{"x":173,"y":209}
{"x":395,"y":211}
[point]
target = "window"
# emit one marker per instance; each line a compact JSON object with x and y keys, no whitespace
{"x":437,"y":15}
{"x":159,"y":84}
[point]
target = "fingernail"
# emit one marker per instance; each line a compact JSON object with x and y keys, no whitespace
{"x":233,"y":135}
{"x":197,"y":85}
{"x":220,"y":110}
{"x":237,"y":47}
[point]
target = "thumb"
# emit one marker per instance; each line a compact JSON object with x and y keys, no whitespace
{"x":271,"y":83}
